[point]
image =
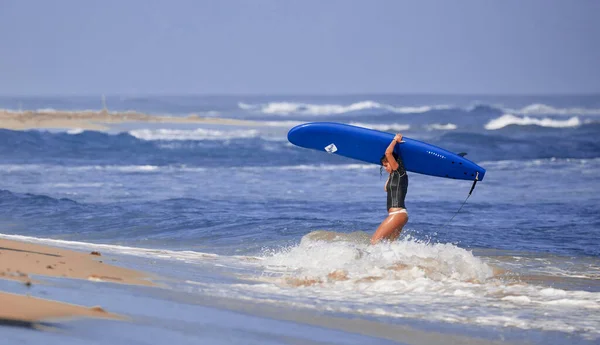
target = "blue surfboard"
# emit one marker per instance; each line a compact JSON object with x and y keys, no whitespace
{"x":369,"y":146}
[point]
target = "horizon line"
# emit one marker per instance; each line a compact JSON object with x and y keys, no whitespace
{"x":302,"y":94}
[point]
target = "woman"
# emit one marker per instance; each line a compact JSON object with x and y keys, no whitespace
{"x":396,"y":187}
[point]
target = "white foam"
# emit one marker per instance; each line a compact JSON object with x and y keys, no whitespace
{"x":413,"y":279}
{"x":108,"y":168}
{"x":177,"y":168}
{"x":543,"y":109}
{"x":119,"y":168}
{"x":442,"y":127}
{"x":438,"y":262}
{"x":287,"y":108}
{"x":322,"y":167}
{"x":152,"y":168}
{"x":519,"y":164}
{"x":517,"y":299}
{"x":382,"y":127}
{"x":551,"y":292}
{"x":77,"y":185}
{"x":575,"y":163}
{"x":21,"y":167}
{"x":539,"y":109}
{"x":135,"y":251}
{"x":280,"y":123}
{"x":246,"y":106}
{"x":565,"y":302}
{"x":509,"y":119}
{"x":197,"y":134}
{"x":75,"y":131}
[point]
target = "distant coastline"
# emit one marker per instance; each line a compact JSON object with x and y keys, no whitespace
{"x":97,"y":120}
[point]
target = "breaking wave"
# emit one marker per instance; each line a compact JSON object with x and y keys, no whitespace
{"x":196,"y":134}
{"x":441,"y":127}
{"x":543,"y":109}
{"x":509,"y":119}
{"x":288,"y":108}
{"x":382,"y":127}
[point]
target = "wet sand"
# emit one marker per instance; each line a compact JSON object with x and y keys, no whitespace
{"x":97,"y":120}
{"x":21,"y":261}
{"x":27,"y":311}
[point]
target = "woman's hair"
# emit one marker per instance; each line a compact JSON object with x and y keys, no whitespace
{"x":385,"y":158}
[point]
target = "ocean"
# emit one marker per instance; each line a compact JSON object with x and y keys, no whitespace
{"x":237,"y":213}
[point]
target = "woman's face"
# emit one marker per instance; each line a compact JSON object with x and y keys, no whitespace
{"x":386,"y":165}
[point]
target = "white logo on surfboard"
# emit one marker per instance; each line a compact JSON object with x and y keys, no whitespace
{"x":331,"y":148}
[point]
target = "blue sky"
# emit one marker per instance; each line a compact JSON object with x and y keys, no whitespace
{"x":66,"y":47}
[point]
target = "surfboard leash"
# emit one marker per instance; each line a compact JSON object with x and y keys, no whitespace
{"x":464,"y":202}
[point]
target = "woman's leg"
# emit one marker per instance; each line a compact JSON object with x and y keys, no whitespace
{"x":390,"y":228}
{"x":396,"y":233}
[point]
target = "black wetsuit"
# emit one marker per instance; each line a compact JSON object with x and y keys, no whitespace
{"x":397,"y":186}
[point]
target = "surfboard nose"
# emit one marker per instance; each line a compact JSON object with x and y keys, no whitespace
{"x":296,"y":133}
{"x":292,"y":134}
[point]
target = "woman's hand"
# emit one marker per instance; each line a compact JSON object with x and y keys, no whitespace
{"x":398,"y":138}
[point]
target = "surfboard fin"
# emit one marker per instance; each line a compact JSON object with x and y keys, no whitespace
{"x":462,"y":154}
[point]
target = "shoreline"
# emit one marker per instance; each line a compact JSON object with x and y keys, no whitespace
{"x":100,"y":120}
{"x":20,"y":261}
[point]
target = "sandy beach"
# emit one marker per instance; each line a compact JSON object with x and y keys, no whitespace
{"x":23,"y":262}
{"x":97,"y":120}
{"x":26,"y":310}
